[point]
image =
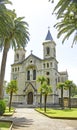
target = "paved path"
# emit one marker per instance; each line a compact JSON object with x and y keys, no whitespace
{"x":29,"y":119}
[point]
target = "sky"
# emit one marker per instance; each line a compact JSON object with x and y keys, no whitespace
{"x":38,"y":14}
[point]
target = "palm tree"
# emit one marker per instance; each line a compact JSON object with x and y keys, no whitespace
{"x":61,"y":85}
{"x":46,"y":89}
{"x":16,"y":36}
{"x":66,"y":12}
{"x":62,"y":6}
{"x":69,"y":85}
{"x":41,"y":79}
{"x":11,"y":88}
{"x":67,"y":26}
{"x":4,"y":18}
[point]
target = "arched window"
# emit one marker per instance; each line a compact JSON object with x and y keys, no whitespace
{"x":34,"y":74}
{"x":28,"y":75}
{"x":18,"y":68}
{"x":48,"y":50}
{"x":17,"y":55}
{"x":43,"y":65}
{"x":47,"y":65}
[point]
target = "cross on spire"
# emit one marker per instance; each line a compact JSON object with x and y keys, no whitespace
{"x":48,"y":28}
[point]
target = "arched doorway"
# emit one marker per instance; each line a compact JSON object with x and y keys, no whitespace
{"x":30,"y":98}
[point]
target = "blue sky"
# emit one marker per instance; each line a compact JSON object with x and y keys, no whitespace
{"x":38,"y":14}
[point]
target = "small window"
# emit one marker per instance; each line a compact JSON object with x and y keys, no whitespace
{"x":18,"y":68}
{"x":15,"y":69}
{"x":12,"y":69}
{"x":51,"y":64}
{"x":30,"y":61}
{"x":43,"y":65}
{"x":47,"y":65}
{"x":47,"y":73}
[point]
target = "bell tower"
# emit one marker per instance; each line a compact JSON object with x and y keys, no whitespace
{"x":50,"y":64}
{"x":49,"y":50}
{"x":19,"y":55}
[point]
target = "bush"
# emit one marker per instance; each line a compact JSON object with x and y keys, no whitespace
{"x":2,"y":107}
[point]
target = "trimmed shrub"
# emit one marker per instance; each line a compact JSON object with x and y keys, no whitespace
{"x":2,"y":107}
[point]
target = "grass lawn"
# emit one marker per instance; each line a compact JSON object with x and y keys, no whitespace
{"x":7,"y":113}
{"x":57,"y":113}
{"x":5,"y":125}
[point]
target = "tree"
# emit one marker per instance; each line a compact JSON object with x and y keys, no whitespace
{"x":13,"y":33}
{"x":11,"y":88}
{"x":73,"y":91}
{"x":63,"y":6}
{"x":66,"y":13}
{"x":61,"y":85}
{"x":69,"y":85}
{"x":46,"y":89}
{"x":41,"y":79}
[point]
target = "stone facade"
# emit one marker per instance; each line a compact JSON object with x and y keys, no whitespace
{"x":26,"y":70}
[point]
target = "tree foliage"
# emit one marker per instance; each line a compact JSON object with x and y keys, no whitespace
{"x":61,"y":86}
{"x":69,"y":85}
{"x":44,"y":89}
{"x":11,"y":88}
{"x":41,"y":79}
{"x":13,"y":33}
{"x":66,"y":13}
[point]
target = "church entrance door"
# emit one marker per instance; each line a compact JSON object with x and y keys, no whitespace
{"x":30,"y":98}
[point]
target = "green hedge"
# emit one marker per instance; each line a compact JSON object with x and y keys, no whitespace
{"x":2,"y":107}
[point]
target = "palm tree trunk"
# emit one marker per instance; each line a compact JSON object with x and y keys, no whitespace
{"x":70,"y":97}
{"x":62,"y":103}
{"x":41,"y":100}
{"x":3,"y":66}
{"x":45,"y":100}
{"x":10,"y":101}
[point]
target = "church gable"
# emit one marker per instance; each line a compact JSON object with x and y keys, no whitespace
{"x":32,"y":57}
{"x":29,"y":87}
{"x":31,"y":61}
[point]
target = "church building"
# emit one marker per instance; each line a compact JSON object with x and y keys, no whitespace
{"x":26,"y":70}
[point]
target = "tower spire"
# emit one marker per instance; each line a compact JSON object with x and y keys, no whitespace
{"x":49,"y":36}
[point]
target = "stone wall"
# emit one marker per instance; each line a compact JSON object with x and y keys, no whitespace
{"x":66,"y":102}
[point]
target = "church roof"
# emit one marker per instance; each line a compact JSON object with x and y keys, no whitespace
{"x":63,"y":73}
{"x":49,"y":36}
{"x":26,"y":59}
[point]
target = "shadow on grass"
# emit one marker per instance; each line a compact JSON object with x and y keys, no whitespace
{"x":68,"y":110}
